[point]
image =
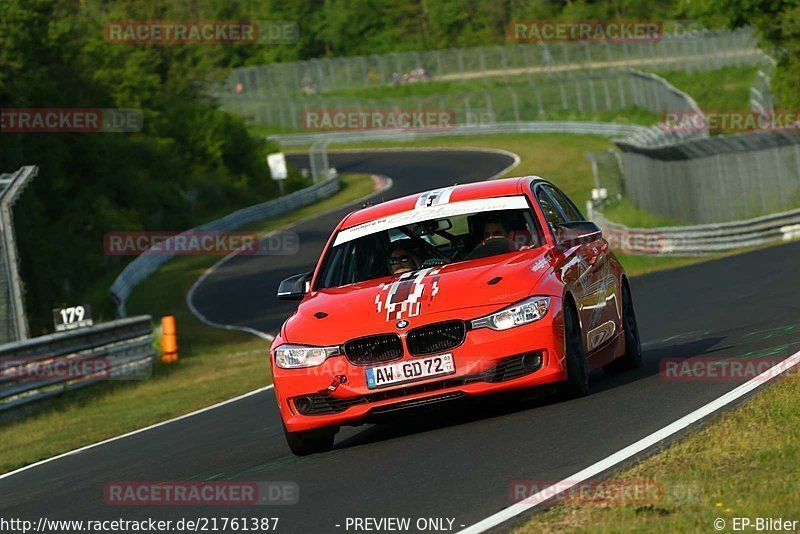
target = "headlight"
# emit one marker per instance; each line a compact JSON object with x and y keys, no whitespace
{"x":294,"y":356}
{"x":525,"y":312}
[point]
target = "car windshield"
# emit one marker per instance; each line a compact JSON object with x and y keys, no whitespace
{"x":424,"y":238}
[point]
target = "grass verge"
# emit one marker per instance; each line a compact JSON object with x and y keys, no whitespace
{"x":560,"y":159}
{"x":740,"y":465}
{"x":215,"y":364}
{"x":86,"y":416}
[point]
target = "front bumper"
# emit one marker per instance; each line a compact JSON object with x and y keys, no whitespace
{"x":487,"y":362}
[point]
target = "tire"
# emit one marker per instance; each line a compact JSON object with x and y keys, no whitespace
{"x":577,"y":383}
{"x":633,"y":345}
{"x":310,"y":441}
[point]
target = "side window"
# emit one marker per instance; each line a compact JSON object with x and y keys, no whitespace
{"x":551,"y":212}
{"x":567,"y":207}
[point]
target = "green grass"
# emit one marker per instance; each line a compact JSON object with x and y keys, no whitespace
{"x":556,"y":157}
{"x":219,"y":364}
{"x":722,"y":90}
{"x":215,"y":364}
{"x":625,"y":212}
{"x":432,"y":87}
{"x":740,"y":465}
{"x":559,"y":159}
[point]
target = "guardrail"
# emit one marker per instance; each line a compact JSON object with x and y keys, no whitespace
{"x":665,"y":97}
{"x":13,"y":322}
{"x":761,"y":89}
{"x":44,"y":366}
{"x":571,"y":127}
{"x":701,"y":239}
{"x":146,"y":264}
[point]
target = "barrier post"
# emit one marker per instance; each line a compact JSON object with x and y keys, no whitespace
{"x":169,"y":340}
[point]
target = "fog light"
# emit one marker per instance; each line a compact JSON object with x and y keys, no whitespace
{"x":303,"y":404}
{"x":532,"y":361}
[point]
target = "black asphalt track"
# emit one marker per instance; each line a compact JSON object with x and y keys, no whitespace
{"x":458,"y":462}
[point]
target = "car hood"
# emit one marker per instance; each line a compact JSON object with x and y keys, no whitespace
{"x":461,"y":290}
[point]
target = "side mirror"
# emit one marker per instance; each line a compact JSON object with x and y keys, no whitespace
{"x":295,"y":287}
{"x":576,"y":233}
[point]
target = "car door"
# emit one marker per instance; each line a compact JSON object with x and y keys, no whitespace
{"x":580,"y":270}
{"x":604,"y":312}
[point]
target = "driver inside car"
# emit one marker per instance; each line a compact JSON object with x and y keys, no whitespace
{"x":495,"y":228}
{"x":401,"y":260}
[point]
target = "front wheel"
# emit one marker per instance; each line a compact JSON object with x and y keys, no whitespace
{"x":577,"y":384}
{"x":308,"y":442}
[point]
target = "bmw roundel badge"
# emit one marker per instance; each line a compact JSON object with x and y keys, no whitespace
{"x":402,"y":324}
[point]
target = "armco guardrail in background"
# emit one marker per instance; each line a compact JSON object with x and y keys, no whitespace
{"x":44,"y":366}
{"x":761,"y":88}
{"x":13,"y":322}
{"x":146,"y":264}
{"x":701,"y":239}
{"x":572,"y":127}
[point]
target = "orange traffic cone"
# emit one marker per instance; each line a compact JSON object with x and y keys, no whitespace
{"x":169,"y":340}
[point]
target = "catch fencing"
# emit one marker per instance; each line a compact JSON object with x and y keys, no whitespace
{"x":718,"y":179}
{"x":44,"y":366}
{"x":697,"y":50}
{"x":595,"y":92}
{"x":13,"y":322}
{"x":146,"y":264}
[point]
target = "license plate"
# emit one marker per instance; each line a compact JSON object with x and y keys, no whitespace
{"x":408,"y":370}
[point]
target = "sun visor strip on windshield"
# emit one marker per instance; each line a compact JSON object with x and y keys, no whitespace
{"x":427,"y":213}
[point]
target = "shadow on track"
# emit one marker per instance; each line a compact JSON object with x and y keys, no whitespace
{"x":470,"y":410}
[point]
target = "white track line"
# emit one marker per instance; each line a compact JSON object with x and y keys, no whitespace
{"x":382,"y":182}
{"x":139,"y":431}
{"x":631,"y":450}
{"x":385,"y":183}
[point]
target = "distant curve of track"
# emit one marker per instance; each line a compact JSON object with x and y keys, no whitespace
{"x":458,"y":462}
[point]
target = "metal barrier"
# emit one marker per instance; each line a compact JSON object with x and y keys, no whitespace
{"x":700,"y":50}
{"x":701,"y":239}
{"x":718,"y":179}
{"x":12,"y":305}
{"x":761,"y":90}
{"x":146,"y":264}
{"x":570,"y":127}
{"x":44,"y":366}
